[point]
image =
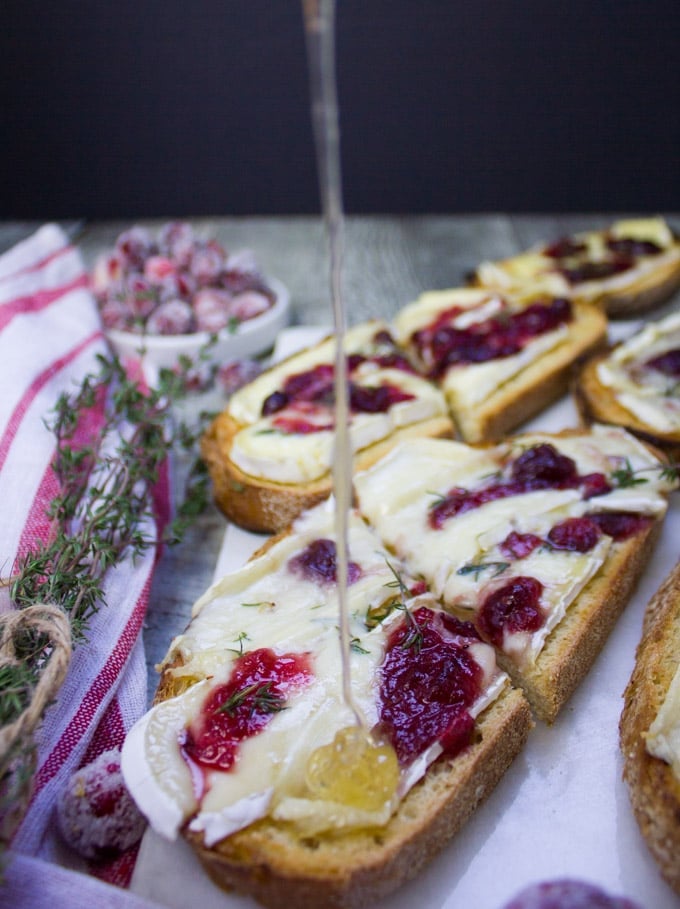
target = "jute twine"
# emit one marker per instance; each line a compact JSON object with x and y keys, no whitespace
{"x":17,"y":750}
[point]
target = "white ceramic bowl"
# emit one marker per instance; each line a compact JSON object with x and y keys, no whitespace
{"x":250,"y":338}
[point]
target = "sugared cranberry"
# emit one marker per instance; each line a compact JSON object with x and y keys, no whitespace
{"x":668,"y":363}
{"x":620,"y":525}
{"x":514,"y":607}
{"x":257,"y":689}
{"x":318,"y":563}
{"x":428,"y":681}
{"x":171,"y":318}
{"x":520,"y":545}
{"x":134,"y":246}
{"x":575,"y":535}
{"x":567,"y":894}
{"x":95,"y":812}
{"x":232,"y":376}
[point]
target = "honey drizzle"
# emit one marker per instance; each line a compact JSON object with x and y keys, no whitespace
{"x":319,"y":19}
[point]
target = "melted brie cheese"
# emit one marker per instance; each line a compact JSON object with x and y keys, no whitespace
{"x":648,"y":394}
{"x":471,"y":383}
{"x":266,"y":605}
{"x":398,"y":493}
{"x":260,"y":449}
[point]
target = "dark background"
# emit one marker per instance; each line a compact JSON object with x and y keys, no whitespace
{"x":144,"y":108}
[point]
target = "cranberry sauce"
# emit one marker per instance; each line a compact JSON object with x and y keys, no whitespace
{"x":442,"y":345}
{"x":428,"y":682}
{"x":537,"y":468}
{"x":242,"y":707}
{"x":621,"y":525}
{"x":318,"y":563}
{"x":597,"y":271}
{"x":629,"y":246}
{"x":513,"y":607}
{"x":668,"y":363}
{"x":565,"y":248}
{"x":571,"y":257}
{"x":315,"y":388}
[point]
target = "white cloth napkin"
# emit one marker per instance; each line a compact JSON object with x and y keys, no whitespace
{"x":49,"y":339}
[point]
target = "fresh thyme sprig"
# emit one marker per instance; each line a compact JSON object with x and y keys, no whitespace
{"x":259,"y":697}
{"x":476,"y":568}
{"x":627,"y":475}
{"x":414,"y":638}
{"x":102,"y":514}
{"x":104,"y":508}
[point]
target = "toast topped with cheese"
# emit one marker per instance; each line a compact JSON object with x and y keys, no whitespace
{"x":539,"y":540}
{"x":250,"y":751}
{"x":627,"y":268}
{"x":636,"y":385}
{"x":270,"y":452}
{"x":650,"y":729}
{"x":500,"y":358}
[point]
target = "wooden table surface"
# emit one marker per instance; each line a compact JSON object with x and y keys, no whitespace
{"x":388,"y":262}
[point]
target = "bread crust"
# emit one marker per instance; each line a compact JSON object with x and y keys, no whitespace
{"x":596,"y":403}
{"x":537,"y":386}
{"x":263,"y":506}
{"x":281,"y":870}
{"x":653,"y":788}
{"x":643,"y":294}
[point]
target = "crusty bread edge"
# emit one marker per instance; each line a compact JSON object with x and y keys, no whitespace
{"x":646,"y":292}
{"x":262,"y":506}
{"x":269,"y":862}
{"x":596,"y":403}
{"x":653,"y":788}
{"x":537,"y":386}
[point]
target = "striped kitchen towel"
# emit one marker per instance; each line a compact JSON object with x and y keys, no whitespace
{"x":50,"y":337}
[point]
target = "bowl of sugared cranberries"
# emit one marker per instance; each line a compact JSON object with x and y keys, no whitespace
{"x":172,"y":294}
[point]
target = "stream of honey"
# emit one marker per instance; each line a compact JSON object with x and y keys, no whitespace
{"x":319,"y":16}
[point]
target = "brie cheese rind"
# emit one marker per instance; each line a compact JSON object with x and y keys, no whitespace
{"x":651,"y":395}
{"x":460,"y":560}
{"x":265,"y":605}
{"x":471,"y":383}
{"x":260,"y":449}
{"x":535,"y":268}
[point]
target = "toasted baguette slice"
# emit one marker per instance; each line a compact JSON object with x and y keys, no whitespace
{"x":642,"y":275}
{"x":264,"y":475}
{"x":469,"y":559}
{"x":269,"y":855}
{"x":283,"y":870}
{"x":619,"y":387}
{"x":489,"y":398}
{"x":653,"y":786}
